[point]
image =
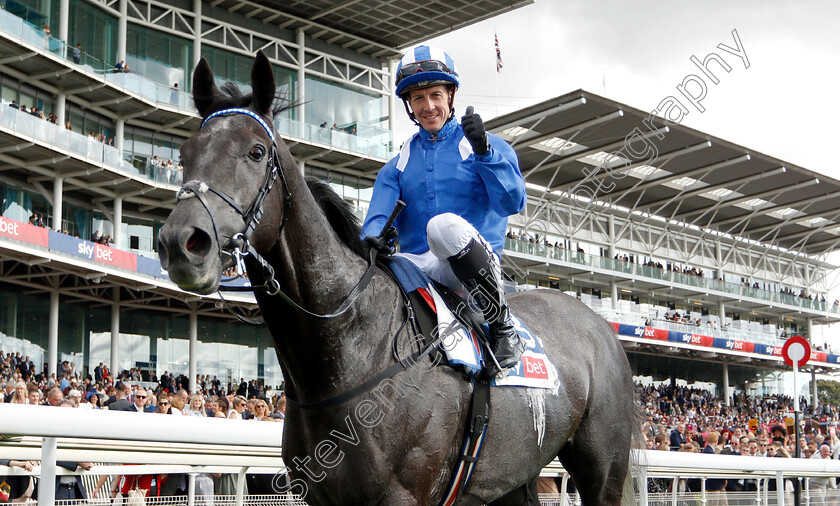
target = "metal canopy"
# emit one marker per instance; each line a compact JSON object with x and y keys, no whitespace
{"x":377,"y":27}
{"x":587,"y":145}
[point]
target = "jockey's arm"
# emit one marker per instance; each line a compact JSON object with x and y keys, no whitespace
{"x":386,"y":192}
{"x":499,"y":171}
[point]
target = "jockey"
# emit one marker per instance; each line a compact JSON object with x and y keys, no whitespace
{"x":459,"y":184}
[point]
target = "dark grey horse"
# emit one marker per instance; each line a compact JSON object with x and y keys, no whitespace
{"x":396,"y":443}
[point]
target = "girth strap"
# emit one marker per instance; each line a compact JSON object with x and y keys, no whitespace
{"x":476,"y":429}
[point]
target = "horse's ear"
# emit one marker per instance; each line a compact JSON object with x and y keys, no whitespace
{"x":262,"y":83}
{"x":203,"y":88}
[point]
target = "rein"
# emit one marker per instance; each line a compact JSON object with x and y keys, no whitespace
{"x":241,"y":241}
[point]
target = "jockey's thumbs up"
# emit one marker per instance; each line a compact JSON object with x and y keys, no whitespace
{"x":474,"y":131}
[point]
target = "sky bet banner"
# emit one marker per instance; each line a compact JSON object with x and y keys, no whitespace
{"x":92,"y":251}
{"x":713,"y":342}
{"x":87,"y":250}
{"x":24,"y":232}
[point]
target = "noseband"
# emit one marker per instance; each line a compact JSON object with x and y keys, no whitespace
{"x":241,"y":241}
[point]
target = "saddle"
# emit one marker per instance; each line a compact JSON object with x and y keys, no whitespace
{"x":440,"y":312}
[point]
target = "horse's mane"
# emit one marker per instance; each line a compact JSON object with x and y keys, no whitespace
{"x":339,"y":214}
{"x":229,"y":95}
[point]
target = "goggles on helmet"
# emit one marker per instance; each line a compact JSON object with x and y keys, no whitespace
{"x":422,"y":66}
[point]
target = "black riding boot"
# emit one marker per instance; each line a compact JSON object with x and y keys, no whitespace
{"x":474,"y":268}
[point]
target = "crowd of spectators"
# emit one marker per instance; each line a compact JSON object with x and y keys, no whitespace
{"x":694,"y":420}
{"x":52,"y":118}
{"x":137,"y":390}
{"x":166,"y":170}
{"x":37,"y":220}
{"x":104,"y":239}
{"x":34,"y":111}
{"x":694,"y":271}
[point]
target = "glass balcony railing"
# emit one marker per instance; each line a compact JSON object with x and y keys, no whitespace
{"x":565,"y":255}
{"x":737,"y":334}
{"x":97,"y":153}
{"x":368,"y":139}
{"x":23,"y":29}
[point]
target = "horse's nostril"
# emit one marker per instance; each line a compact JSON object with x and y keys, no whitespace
{"x":198,"y":243}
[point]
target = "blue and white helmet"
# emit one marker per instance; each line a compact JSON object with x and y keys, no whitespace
{"x":425,"y":66}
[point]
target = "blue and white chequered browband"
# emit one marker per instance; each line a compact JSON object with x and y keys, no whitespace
{"x":236,"y":110}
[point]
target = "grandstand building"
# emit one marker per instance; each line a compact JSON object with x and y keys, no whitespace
{"x":643,"y":219}
{"x":114,"y":172}
{"x":757,"y":228}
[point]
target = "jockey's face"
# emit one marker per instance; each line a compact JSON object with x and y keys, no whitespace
{"x":431,"y":106}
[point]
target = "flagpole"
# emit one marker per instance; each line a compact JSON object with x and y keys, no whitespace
{"x":495,"y":50}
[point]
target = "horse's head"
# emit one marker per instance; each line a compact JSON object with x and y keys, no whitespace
{"x":230,"y":165}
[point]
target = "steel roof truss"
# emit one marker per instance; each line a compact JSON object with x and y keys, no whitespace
{"x":538,"y":116}
{"x":604,"y":147}
{"x":726,"y":184}
{"x":777,"y":207}
{"x":644,"y":184}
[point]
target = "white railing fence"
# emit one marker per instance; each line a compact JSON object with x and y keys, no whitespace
{"x":164,"y":444}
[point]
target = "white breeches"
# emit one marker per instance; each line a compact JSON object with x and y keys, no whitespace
{"x":448,"y":234}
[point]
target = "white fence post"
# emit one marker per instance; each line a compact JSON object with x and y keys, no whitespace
{"x":46,"y":490}
{"x":240,"y":486}
{"x":564,"y":489}
{"x":191,"y":489}
{"x":643,"y":486}
{"x":780,"y":488}
{"x":674,"y":486}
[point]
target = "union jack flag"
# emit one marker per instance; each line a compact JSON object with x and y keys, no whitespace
{"x":499,"y":64}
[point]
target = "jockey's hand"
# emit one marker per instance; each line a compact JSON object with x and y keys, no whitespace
{"x":385,"y":244}
{"x":474,"y":131}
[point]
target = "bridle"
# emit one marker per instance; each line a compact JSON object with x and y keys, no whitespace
{"x":241,"y":241}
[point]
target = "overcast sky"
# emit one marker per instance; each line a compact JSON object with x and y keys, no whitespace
{"x":637,"y":53}
{"x":783,"y":105}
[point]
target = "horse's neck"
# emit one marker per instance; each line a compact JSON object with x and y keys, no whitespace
{"x":317,"y":271}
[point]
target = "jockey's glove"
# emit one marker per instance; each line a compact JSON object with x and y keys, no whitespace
{"x":474,"y":132}
{"x":385,"y":243}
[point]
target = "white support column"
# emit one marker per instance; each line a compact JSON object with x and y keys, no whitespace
{"x":814,"y":398}
{"x":115,"y":334}
{"x":614,"y":294}
{"x":193,"y":348}
{"x":301,"y":167}
{"x":122,"y":30}
{"x":60,"y":108}
{"x":810,"y":328}
{"x":722,"y":311}
{"x":119,"y":137}
{"x":392,"y":100}
{"x":301,"y":82}
{"x":52,"y":352}
{"x":197,"y":30}
{"x":64,"y":24}
{"x":58,"y":191}
{"x":726,"y":392}
{"x":611,"y":232}
{"x":118,"y":235}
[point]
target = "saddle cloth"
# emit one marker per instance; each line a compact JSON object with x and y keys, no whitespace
{"x":435,"y":307}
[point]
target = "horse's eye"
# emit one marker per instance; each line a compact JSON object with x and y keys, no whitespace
{"x":257,"y":153}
